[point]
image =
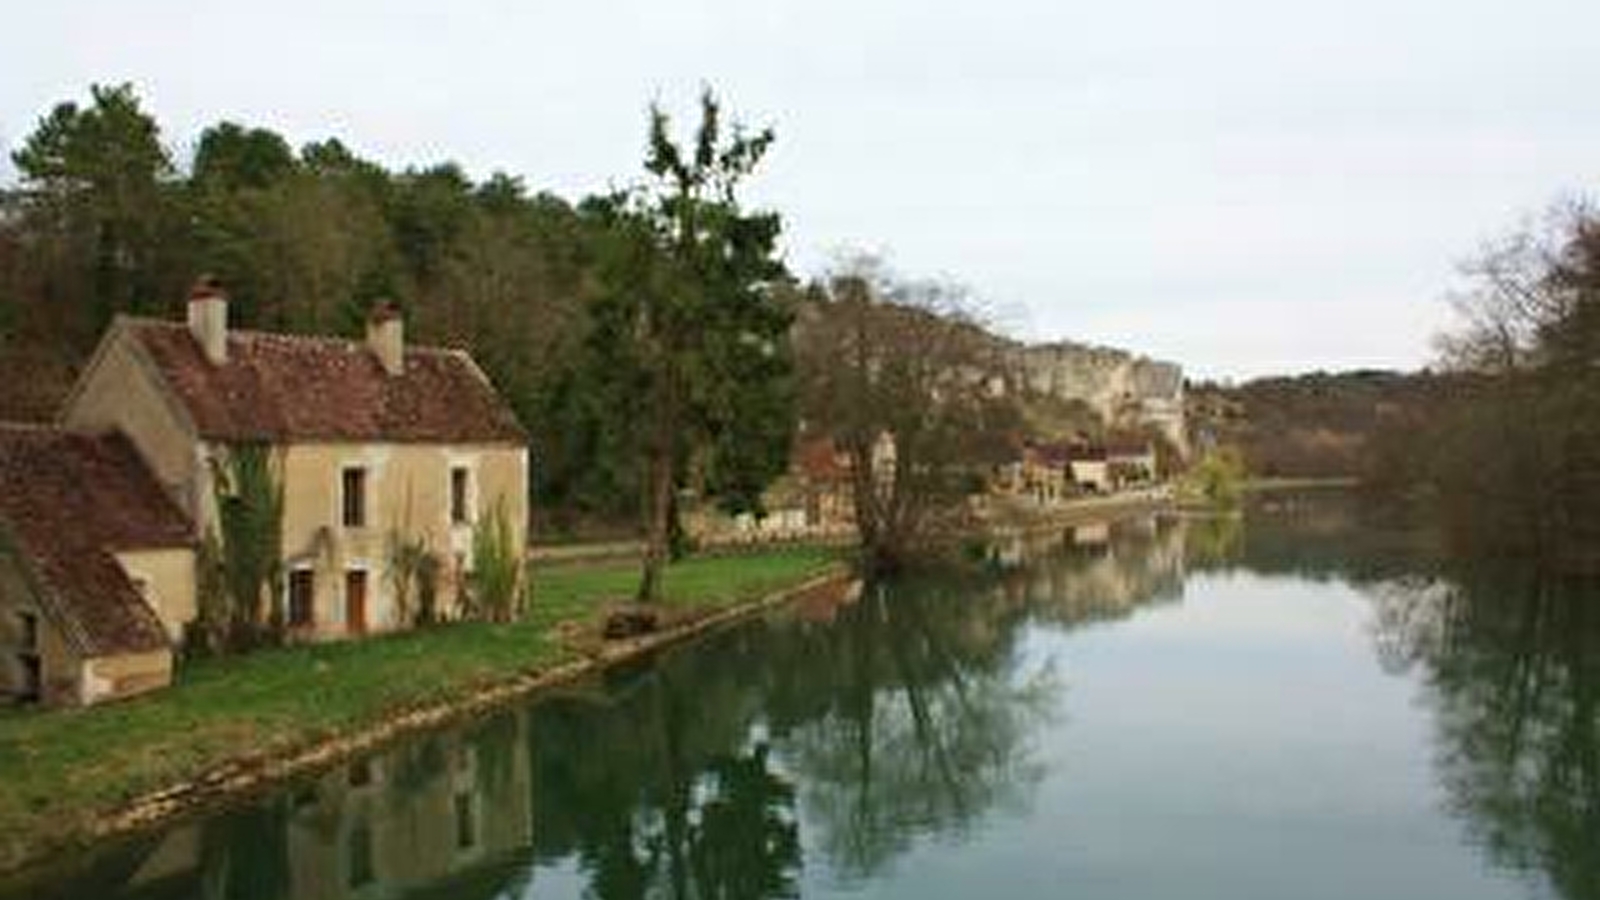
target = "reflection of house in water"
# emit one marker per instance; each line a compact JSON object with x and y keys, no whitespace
{"x":437,"y":811}
{"x":1095,"y":570}
{"x":1092,"y":534}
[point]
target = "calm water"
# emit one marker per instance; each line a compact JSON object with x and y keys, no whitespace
{"x":1293,"y":706}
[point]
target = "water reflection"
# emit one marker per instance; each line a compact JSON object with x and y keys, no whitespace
{"x":1093,"y":572}
{"x":1509,"y":656}
{"x":441,"y":814}
{"x":841,"y":734}
{"x":914,"y":719}
{"x":1512,"y":667}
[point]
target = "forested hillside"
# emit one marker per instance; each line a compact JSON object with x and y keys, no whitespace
{"x":1314,"y":425}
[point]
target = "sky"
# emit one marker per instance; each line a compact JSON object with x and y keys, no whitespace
{"x":1240,"y":186}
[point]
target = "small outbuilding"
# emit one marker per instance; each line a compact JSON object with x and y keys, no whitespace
{"x":96,"y":569}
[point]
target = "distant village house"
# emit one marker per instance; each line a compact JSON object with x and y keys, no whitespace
{"x":1048,"y":472}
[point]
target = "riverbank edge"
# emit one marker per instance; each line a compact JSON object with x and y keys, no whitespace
{"x":1040,"y":518}
{"x":236,"y":780}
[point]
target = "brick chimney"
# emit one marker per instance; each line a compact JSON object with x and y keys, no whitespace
{"x":386,"y":337}
{"x":208,"y":319}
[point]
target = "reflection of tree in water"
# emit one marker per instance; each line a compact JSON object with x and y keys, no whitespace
{"x":926,"y":727}
{"x":900,"y":718}
{"x":1212,"y":541}
{"x":1512,"y":664}
{"x":656,"y":790}
{"x":1316,"y":535}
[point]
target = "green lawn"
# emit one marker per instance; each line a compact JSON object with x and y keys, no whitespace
{"x":62,"y":768}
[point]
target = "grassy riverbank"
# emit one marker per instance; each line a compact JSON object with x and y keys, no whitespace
{"x":63,"y":769}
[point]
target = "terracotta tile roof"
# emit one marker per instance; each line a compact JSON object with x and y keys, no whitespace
{"x":277,"y":387}
{"x":1126,"y":447}
{"x":820,"y":460}
{"x":1056,"y":455}
{"x":67,"y":501}
{"x":1086,"y":453}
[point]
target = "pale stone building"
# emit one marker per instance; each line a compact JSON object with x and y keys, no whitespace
{"x":372,"y":441}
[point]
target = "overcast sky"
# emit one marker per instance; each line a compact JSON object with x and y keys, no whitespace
{"x":1242,"y":186}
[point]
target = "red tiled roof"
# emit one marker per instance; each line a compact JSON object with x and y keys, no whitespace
{"x":276,"y":387}
{"x":819,"y":460}
{"x":1128,"y":449}
{"x":68,"y":501}
{"x":1055,"y":454}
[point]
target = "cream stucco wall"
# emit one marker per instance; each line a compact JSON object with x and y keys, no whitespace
{"x":407,"y":493}
{"x":121,"y":392}
{"x":167,"y":579}
{"x":1093,"y":472}
{"x":114,"y":677}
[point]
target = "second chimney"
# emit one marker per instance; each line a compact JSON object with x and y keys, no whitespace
{"x":208,"y":319}
{"x":386,"y":337}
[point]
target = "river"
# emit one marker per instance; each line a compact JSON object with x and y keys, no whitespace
{"x":1297,"y":704}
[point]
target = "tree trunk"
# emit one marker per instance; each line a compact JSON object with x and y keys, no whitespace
{"x":658,"y":499}
{"x":658,"y":524}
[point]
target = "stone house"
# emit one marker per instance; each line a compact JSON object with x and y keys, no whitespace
{"x":373,"y":444}
{"x":815,"y":498}
{"x":1089,"y":468}
{"x":1048,"y":472}
{"x":828,"y":493}
{"x":97,"y":569}
{"x":372,"y":441}
{"x":1131,"y":461}
{"x":1039,"y":472}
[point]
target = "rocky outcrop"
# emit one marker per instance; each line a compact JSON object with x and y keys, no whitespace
{"x":1124,"y":389}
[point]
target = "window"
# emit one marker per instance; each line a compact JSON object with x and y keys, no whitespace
{"x":459,"y":483}
{"x":354,"y":493}
{"x":302,"y":598}
{"x":32,"y":679}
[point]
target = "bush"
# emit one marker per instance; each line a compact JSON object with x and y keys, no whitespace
{"x":1217,"y":479}
{"x":496,"y":578}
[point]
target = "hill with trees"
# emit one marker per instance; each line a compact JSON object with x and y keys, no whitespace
{"x":1317,"y":425}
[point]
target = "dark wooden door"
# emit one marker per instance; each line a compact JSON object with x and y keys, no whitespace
{"x":355,"y":601}
{"x":32,"y":687}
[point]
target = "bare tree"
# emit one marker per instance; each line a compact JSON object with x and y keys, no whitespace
{"x":1516,"y":458}
{"x":904,"y":381}
{"x":1520,"y":287}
